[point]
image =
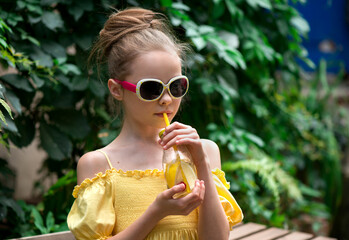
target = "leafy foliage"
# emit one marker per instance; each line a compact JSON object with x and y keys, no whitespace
{"x":278,"y":144}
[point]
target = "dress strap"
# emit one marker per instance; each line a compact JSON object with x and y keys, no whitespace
{"x":106,"y":156}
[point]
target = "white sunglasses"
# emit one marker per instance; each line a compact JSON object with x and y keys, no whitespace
{"x":150,"y":89}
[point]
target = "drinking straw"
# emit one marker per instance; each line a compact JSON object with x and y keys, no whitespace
{"x":167,"y":122}
{"x":166,"y":119}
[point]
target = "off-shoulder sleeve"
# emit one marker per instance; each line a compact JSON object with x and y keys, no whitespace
{"x":229,"y":204}
{"x":92,"y":215}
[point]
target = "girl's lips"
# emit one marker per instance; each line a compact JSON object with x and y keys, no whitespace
{"x":162,"y":115}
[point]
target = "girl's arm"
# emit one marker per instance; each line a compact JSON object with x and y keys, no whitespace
{"x":213,"y":223}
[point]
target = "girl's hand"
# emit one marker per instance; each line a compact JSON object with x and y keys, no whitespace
{"x":181,"y":134}
{"x":165,"y":204}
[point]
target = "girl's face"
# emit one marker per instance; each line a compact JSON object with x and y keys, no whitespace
{"x":160,"y":65}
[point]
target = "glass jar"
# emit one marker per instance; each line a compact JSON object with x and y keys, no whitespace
{"x":178,"y":168}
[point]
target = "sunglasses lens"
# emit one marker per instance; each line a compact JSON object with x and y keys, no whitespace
{"x":179,"y":87}
{"x":150,"y":90}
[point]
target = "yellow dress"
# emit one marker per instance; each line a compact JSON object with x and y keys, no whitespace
{"x":110,"y":202}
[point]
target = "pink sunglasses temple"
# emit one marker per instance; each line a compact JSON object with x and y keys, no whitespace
{"x":128,"y":86}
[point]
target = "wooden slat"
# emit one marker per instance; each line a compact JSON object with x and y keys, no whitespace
{"x":245,"y":230}
{"x":323,"y":238}
{"x":296,"y":236}
{"x":268,"y":234}
{"x":248,"y":231}
{"x":66,"y":235}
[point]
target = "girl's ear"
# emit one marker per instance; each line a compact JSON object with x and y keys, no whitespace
{"x":115,"y":89}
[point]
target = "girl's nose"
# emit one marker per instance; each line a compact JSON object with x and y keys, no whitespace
{"x":166,"y":98}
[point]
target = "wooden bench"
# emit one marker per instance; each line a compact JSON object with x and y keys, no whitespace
{"x":248,"y":231}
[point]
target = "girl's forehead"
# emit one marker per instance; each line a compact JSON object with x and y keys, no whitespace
{"x":156,"y":64}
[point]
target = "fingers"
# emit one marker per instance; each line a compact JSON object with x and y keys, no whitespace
{"x":194,"y":199}
{"x":198,"y":193}
{"x":177,"y":134}
{"x":176,"y":125}
{"x":175,"y":189}
{"x":180,"y":206}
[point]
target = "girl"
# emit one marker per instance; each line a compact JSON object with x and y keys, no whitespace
{"x":121,"y":191}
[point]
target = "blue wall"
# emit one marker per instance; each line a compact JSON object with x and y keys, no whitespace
{"x":328,"y":20}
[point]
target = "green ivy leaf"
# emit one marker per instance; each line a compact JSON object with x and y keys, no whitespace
{"x":38,"y":55}
{"x":37,"y":80}
{"x":233,"y":9}
{"x":78,"y":8}
{"x":49,"y":2}
{"x":2,"y":119}
{"x":14,"y":100}
{"x":97,"y":88}
{"x":3,"y":43}
{"x":54,"y":49}
{"x":8,"y":123}
{"x":199,"y":42}
{"x":6,"y":106}
{"x":76,"y":11}
{"x":255,"y":139}
{"x":79,"y":83}
{"x":84,"y":41}
{"x":206,"y":85}
{"x":180,"y":6}
{"x":218,"y":9}
{"x":38,"y":222}
{"x":17,"y":81}
{"x":301,"y":24}
{"x":10,"y":203}
{"x":56,"y":144}
{"x":71,"y":122}
{"x":260,"y":3}
{"x":231,"y":39}
{"x":67,"y":179}
{"x":50,"y":221}
{"x":2,"y":91}
{"x":26,"y":131}
{"x":70,"y":68}
{"x":34,"y":19}
{"x":166,"y":3}
{"x":52,"y":20}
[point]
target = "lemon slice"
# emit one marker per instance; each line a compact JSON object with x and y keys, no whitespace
{"x":171,"y":174}
{"x":188,"y":174}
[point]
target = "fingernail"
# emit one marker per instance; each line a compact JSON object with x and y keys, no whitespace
{"x":183,"y":184}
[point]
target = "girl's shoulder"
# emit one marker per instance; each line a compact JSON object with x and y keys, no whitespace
{"x":212,"y":150}
{"x":209,"y":145}
{"x":90,"y":164}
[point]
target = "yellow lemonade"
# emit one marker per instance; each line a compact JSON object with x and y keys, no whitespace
{"x":180,"y":170}
{"x":178,"y":166}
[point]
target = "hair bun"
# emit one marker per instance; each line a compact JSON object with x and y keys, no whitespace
{"x":134,"y":18}
{"x":128,"y":21}
{"x":131,"y":32}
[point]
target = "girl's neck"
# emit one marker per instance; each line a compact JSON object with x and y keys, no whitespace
{"x":135,"y":133}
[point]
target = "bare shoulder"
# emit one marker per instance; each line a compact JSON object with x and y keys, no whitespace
{"x":213,"y":153}
{"x":90,"y":164}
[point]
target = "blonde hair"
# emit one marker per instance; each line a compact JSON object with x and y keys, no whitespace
{"x":127,"y":34}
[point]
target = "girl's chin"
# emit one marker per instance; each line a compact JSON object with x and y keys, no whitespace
{"x":160,"y":125}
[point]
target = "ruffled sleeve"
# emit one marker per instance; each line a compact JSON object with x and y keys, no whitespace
{"x":92,"y":215}
{"x":229,"y":204}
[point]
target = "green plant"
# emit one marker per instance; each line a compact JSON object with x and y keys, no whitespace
{"x":278,"y":145}
{"x":6,"y":54}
